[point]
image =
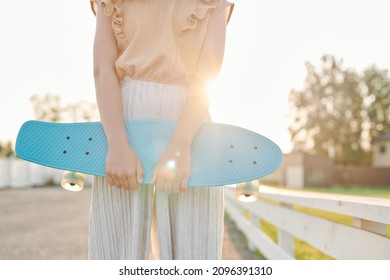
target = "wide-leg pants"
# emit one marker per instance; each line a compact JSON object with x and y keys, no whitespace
{"x":128,"y":224}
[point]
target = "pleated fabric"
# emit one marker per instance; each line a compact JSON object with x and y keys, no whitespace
{"x":131,"y":224}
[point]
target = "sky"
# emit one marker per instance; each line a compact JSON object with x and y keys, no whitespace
{"x":47,"y":48}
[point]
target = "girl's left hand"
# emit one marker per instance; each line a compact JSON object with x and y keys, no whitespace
{"x":173,"y":170}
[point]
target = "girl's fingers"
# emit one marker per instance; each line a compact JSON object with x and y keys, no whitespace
{"x":116,"y":182}
{"x":122,"y":182}
{"x":168,"y":186}
{"x":110,"y":181}
{"x":184,"y":184}
{"x":176,"y":186}
{"x":132,"y":179}
{"x":140,"y":172}
{"x":160,"y":184}
{"x":155,"y":175}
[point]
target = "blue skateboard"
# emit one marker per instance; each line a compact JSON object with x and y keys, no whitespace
{"x":221,"y":154}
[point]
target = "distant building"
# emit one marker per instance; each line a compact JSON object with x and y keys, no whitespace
{"x":381,"y":151}
{"x":300,"y":169}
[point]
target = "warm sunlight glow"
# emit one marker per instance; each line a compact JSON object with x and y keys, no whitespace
{"x":212,"y":89}
{"x":171,"y":164}
{"x":218,"y":96}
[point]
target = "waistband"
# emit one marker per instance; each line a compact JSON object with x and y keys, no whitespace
{"x":131,"y":81}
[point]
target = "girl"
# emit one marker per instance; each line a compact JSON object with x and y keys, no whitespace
{"x":153,"y":60}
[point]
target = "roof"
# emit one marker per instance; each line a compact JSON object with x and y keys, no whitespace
{"x":382,"y":137}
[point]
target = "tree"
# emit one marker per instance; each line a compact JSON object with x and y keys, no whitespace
{"x":326,"y":115}
{"x":81,"y":111}
{"x":377,"y":100}
{"x":47,"y":107}
{"x":50,"y":108}
{"x":6,"y":149}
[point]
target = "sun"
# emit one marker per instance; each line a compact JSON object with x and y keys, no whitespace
{"x":212,"y":88}
{"x":217,"y":94}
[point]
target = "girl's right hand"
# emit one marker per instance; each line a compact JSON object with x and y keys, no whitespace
{"x":123,"y":167}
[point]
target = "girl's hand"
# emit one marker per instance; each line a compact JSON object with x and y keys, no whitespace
{"x":173,"y":170}
{"x":123,"y":168}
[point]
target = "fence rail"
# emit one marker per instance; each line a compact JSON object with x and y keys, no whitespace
{"x":17,"y":173}
{"x":365,"y":239}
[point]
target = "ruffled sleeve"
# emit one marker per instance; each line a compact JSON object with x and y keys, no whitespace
{"x":108,"y":6}
{"x":111,"y":8}
{"x":229,"y":10}
{"x":204,"y":8}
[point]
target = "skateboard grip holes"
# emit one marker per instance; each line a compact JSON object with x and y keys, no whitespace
{"x":90,"y":139}
{"x":68,"y":138}
{"x":230,"y":161}
{"x":255,"y":147}
{"x":86,"y":153}
{"x":232,"y":146}
{"x":254,"y":162}
{"x":64,"y":152}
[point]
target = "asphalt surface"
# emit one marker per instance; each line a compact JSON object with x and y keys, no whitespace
{"x":50,"y":223}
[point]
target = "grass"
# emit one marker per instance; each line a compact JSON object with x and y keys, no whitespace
{"x":380,"y":191}
{"x":303,"y":250}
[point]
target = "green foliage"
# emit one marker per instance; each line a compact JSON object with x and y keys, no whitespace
{"x":49,"y":108}
{"x":377,"y":100}
{"x":6,"y":149}
{"x":269,"y":229}
{"x":304,"y":251}
{"x":373,"y":191}
{"x":338,"y":111}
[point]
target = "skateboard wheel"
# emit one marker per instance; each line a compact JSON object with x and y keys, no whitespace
{"x":247,"y":191}
{"x":73,"y":181}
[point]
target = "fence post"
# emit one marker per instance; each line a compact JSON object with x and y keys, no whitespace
{"x":4,"y":172}
{"x":20,"y":173}
{"x":286,"y":240}
{"x":254,"y":220}
{"x":370,"y":226}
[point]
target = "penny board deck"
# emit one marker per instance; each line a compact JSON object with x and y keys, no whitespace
{"x":221,"y":154}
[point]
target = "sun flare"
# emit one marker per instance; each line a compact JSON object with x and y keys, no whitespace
{"x":218,"y":96}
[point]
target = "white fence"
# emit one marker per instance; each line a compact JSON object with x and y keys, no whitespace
{"x":17,"y":173}
{"x":366,"y":239}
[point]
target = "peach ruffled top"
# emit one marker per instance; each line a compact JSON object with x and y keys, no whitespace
{"x":160,"y":40}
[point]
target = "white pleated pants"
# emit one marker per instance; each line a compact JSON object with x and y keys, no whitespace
{"x":128,"y":224}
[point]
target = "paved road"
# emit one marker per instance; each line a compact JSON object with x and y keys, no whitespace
{"x":51,"y":223}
